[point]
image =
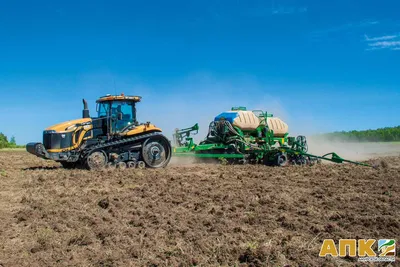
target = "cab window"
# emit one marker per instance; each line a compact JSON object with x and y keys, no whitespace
{"x":127,"y":110}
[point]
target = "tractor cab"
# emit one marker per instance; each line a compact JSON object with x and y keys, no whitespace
{"x":118,"y":112}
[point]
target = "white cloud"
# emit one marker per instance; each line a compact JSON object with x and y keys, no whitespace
{"x":373,"y":48}
{"x":287,"y":10}
{"x":262,"y":11}
{"x":370,"y":22}
{"x":346,"y":27}
{"x":385,"y":44}
{"x":381,"y":38}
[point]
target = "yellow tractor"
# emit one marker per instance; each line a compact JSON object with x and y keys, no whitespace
{"x":112,"y":139}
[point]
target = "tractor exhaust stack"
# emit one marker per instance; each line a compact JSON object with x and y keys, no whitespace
{"x":85,"y":111}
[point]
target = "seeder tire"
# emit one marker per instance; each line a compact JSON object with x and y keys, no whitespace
{"x":282,"y":160}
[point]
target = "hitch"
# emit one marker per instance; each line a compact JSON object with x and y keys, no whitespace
{"x":181,"y":137}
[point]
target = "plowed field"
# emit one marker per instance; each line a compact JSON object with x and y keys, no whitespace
{"x":192,"y":214}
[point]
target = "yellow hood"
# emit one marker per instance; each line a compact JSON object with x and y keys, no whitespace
{"x":61,"y":127}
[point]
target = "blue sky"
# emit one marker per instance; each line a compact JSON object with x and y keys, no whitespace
{"x":320,"y":65}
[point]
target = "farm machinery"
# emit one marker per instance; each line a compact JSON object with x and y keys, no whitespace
{"x":112,"y":139}
{"x":242,"y":136}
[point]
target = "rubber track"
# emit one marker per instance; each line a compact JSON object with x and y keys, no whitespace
{"x":120,"y":142}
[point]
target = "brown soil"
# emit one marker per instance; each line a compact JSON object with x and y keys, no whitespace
{"x":191,"y":215}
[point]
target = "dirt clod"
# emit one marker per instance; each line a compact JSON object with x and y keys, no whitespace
{"x":104,"y":203}
{"x":384,"y":164}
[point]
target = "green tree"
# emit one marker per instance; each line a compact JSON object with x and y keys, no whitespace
{"x":387,"y":134}
{"x":12,"y":142}
{"x":3,"y":141}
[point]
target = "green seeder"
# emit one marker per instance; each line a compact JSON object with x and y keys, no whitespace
{"x":241,"y":136}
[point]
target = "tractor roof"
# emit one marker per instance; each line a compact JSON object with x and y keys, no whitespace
{"x":120,"y":97}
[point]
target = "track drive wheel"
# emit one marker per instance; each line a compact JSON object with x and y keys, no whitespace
{"x":282,"y":159}
{"x":156,"y":152}
{"x":96,"y":160}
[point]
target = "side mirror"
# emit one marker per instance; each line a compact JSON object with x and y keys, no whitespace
{"x":119,"y":116}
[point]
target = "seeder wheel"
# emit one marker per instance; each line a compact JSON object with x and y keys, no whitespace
{"x":281,"y":159}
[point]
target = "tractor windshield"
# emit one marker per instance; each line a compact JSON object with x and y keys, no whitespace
{"x":111,"y":109}
{"x":127,"y":110}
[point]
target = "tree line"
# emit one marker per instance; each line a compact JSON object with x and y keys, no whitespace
{"x":5,"y":143}
{"x":387,"y":134}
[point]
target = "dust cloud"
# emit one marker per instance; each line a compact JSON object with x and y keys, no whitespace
{"x":180,"y":161}
{"x":352,"y":150}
